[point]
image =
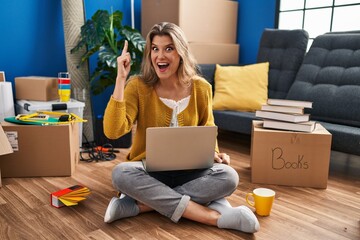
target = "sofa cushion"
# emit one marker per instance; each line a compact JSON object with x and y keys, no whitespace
{"x":240,"y":122}
{"x":344,"y":138}
{"x":330,"y":78}
{"x":208,"y":72}
{"x":241,"y":88}
{"x":284,"y":50}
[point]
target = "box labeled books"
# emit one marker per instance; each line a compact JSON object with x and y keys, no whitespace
{"x":290,"y":158}
{"x":69,"y":196}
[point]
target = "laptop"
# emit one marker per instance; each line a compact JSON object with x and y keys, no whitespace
{"x":179,"y":148}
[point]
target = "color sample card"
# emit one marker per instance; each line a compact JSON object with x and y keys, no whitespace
{"x":69,"y":196}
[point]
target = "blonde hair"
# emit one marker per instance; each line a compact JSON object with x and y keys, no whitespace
{"x":188,"y":65}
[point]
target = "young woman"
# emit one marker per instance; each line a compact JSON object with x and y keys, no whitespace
{"x":168,"y":92}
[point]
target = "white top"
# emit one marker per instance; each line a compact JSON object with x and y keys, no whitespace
{"x":177,"y":106}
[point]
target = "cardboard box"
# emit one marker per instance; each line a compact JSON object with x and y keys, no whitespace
{"x":212,"y":53}
{"x":290,"y":158}
{"x":201,"y":20}
{"x":36,"y":88}
{"x":40,"y":151}
{"x":72,"y":106}
{"x":2,"y":76}
{"x":5,"y":147}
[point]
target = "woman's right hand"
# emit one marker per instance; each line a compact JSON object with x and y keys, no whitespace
{"x":123,"y":62}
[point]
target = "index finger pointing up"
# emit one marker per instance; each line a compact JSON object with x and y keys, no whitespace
{"x":125,"y":49}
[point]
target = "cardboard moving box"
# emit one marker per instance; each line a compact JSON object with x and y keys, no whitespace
{"x":290,"y":158}
{"x":5,"y":147}
{"x":40,"y":151}
{"x":72,"y":106}
{"x":36,"y":88}
{"x":215,"y":53}
{"x":201,"y":20}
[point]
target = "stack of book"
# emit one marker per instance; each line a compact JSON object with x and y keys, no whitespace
{"x":286,"y":114}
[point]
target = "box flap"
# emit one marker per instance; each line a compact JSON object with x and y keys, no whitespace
{"x":5,"y":147}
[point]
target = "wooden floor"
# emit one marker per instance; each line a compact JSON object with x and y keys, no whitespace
{"x":298,"y":213}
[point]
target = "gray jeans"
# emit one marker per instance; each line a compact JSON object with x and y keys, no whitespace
{"x":170,"y":192}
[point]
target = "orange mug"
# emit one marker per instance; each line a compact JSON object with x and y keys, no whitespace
{"x":263,"y":199}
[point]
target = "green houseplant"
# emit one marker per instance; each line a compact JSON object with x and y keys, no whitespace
{"x":104,"y":34}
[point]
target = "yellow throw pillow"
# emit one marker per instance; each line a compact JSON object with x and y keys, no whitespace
{"x":241,"y":88}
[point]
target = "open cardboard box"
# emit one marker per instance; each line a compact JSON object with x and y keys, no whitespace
{"x":39,"y":151}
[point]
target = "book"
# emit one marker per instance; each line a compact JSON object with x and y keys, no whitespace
{"x":300,"y":127}
{"x":69,"y":196}
{"x":283,"y":109}
{"x":283,"y":116}
{"x":289,"y":103}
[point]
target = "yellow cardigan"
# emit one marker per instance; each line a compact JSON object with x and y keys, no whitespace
{"x":142,"y":106}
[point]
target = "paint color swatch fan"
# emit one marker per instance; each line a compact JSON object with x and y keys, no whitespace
{"x":69,"y":196}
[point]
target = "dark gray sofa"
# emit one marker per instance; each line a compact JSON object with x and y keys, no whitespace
{"x":284,"y":50}
{"x":329,"y":76}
